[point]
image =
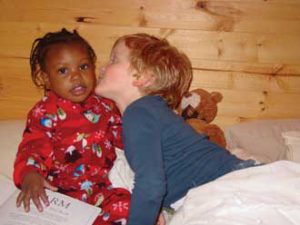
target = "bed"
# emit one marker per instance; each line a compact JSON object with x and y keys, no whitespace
{"x":266,"y":194}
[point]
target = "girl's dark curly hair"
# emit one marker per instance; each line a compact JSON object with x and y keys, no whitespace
{"x":41,"y":46}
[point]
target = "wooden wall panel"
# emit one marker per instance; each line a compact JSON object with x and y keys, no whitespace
{"x":207,"y":50}
{"x":247,"y":49}
{"x":227,"y":15}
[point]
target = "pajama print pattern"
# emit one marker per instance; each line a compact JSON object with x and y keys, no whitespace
{"x":72,"y":146}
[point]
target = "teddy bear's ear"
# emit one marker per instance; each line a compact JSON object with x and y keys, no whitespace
{"x":216,"y":96}
{"x":187,"y":107}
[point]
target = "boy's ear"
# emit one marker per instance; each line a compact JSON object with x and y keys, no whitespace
{"x":143,"y":80}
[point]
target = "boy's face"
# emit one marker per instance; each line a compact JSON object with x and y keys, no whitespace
{"x":69,"y":72}
{"x":116,"y":76}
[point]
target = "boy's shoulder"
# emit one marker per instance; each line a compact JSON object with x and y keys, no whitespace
{"x":148,"y":106}
{"x":148,"y":101}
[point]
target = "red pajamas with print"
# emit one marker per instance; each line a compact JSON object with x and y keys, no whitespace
{"x":72,"y":145}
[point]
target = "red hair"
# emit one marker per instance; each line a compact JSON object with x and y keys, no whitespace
{"x":171,"y":69}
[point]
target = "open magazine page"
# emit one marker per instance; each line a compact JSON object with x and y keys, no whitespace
{"x":7,"y":188}
{"x":63,"y":210}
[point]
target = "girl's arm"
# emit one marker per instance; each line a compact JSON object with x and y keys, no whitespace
{"x":114,"y":122}
{"x":34,"y":158}
{"x":35,"y":148}
{"x":115,"y":129}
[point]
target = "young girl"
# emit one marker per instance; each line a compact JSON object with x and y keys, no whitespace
{"x":68,"y":143}
{"x":147,"y":78}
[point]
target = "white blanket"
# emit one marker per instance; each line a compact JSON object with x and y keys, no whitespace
{"x":262,"y":195}
{"x":268,"y":194}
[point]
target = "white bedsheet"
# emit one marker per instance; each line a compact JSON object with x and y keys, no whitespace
{"x":268,"y":194}
{"x":262,"y":195}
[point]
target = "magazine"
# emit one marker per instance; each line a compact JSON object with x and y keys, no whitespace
{"x":63,"y":210}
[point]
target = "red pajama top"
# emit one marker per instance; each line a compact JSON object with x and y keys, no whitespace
{"x":71,"y":145}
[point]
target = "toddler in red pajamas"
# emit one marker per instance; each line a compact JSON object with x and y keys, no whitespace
{"x":68,"y":143}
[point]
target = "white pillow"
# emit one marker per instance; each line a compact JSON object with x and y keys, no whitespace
{"x":292,"y":140}
{"x":261,"y":138}
{"x":10,"y":136}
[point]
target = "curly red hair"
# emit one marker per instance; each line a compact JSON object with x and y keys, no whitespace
{"x":171,"y":69}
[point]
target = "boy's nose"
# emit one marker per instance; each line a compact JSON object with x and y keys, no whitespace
{"x":102,"y":71}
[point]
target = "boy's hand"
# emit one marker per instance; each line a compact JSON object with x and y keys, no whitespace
{"x":161,"y":220}
{"x":33,"y":187}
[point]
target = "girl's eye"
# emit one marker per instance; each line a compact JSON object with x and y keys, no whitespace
{"x":62,"y":70}
{"x":84,"y":66}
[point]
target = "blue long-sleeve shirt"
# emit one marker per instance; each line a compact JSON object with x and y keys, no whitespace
{"x":167,"y":156}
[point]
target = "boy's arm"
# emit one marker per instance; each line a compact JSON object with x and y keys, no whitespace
{"x":35,"y":149}
{"x":142,"y":139}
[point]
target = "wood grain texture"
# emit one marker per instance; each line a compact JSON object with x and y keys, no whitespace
{"x":247,"y":49}
{"x":237,"y":16}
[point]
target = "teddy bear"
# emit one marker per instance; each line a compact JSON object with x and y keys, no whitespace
{"x":199,"y":108}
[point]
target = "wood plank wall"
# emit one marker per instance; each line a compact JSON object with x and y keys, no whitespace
{"x":249,"y":50}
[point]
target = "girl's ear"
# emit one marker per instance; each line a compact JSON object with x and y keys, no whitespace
{"x":143,"y":80}
{"x":46,"y":80}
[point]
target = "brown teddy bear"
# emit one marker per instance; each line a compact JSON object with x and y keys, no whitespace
{"x":199,"y":108}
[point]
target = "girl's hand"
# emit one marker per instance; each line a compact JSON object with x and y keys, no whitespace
{"x":33,"y":187}
{"x":161,"y":220}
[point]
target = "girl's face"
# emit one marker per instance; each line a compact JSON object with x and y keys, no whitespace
{"x":69,"y":72}
{"x":116,"y":76}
